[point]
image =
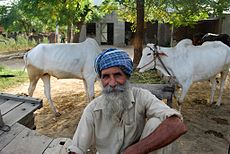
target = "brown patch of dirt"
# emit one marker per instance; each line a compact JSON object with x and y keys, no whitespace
{"x":208,"y":125}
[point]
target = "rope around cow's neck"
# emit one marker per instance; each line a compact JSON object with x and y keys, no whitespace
{"x":156,"y":55}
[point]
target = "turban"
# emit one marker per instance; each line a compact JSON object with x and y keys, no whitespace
{"x":113,"y":58}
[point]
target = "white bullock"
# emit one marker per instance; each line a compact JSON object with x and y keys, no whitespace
{"x":188,"y":64}
{"x":63,"y":61}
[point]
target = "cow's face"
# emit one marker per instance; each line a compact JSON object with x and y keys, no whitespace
{"x":147,"y":60}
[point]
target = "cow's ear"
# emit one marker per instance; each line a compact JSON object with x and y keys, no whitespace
{"x":161,"y":53}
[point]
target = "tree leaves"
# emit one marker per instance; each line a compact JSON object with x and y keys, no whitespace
{"x":176,"y":12}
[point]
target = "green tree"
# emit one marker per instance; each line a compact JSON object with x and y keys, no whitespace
{"x":15,"y":18}
{"x":70,"y":13}
{"x":47,"y":14}
{"x":175,"y":12}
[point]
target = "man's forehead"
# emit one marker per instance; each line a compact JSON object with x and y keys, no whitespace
{"x":111,"y":70}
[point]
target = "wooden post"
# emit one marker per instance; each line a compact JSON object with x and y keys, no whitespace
{"x":3,"y":127}
{"x":1,"y":120}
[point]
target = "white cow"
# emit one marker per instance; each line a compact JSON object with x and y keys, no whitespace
{"x":188,"y":64}
{"x":63,"y":61}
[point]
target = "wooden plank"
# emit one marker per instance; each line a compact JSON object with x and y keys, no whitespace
{"x":2,"y":100}
{"x":27,"y":142}
{"x":28,"y":121}
{"x":8,"y":106}
{"x":7,"y":137}
{"x":161,"y":91}
{"x":18,"y":113}
{"x":58,"y":145}
{"x":20,"y":98}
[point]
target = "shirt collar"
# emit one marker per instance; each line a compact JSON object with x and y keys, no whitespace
{"x":131,"y":98}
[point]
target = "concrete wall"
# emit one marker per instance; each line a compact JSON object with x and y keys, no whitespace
{"x":82,"y":33}
{"x":119,"y":34}
{"x":118,"y":30}
{"x":226,"y":24}
{"x":164,"y":35}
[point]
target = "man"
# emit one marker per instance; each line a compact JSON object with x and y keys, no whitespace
{"x":123,"y":119}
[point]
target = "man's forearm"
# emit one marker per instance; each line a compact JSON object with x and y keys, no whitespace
{"x":168,"y":131}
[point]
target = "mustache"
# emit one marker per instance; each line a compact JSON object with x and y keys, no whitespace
{"x":118,"y":88}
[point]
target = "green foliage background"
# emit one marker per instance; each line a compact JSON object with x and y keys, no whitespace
{"x":44,"y":15}
{"x":150,"y":77}
{"x":22,"y":44}
{"x":19,"y":76}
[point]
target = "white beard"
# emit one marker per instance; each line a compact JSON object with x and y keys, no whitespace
{"x":116,"y":102}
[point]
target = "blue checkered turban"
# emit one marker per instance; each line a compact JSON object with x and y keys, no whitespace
{"x":113,"y":58}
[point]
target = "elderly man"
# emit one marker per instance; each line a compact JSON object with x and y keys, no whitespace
{"x":123,"y":119}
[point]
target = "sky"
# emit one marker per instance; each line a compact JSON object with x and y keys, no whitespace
{"x":2,"y":2}
{"x":97,"y":2}
{"x":5,"y":2}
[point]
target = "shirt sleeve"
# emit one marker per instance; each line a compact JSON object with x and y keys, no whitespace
{"x":83,"y":137}
{"x":156,"y":108}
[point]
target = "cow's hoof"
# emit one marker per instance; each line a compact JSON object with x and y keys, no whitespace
{"x":213,"y":104}
{"x":57,"y":114}
{"x":22,"y":94}
{"x":217,"y":105}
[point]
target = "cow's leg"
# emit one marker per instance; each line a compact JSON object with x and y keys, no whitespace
{"x":184,"y":88}
{"x":46,"y":80}
{"x":177,"y":92}
{"x":89,"y":87}
{"x":32,"y":86}
{"x":34,"y":76}
{"x":86,"y":89}
{"x":223,"y":79}
{"x":213,"y":89}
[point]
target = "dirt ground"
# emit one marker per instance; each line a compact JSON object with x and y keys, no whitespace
{"x":208,"y":126}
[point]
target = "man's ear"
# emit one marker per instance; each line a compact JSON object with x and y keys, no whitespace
{"x":127,"y":75}
{"x":99,"y":75}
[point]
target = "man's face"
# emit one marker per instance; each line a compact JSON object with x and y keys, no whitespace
{"x":115,"y":89}
{"x":112,"y":77}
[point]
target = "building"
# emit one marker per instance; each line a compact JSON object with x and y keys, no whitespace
{"x":112,"y":31}
{"x":108,"y":31}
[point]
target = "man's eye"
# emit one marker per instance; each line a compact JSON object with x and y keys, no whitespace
{"x":117,"y":74}
{"x":104,"y":76}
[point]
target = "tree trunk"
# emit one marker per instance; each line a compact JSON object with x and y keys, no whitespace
{"x":69,"y":33}
{"x":57,"y":34}
{"x":76,"y":35}
{"x":171,"y":39}
{"x":139,"y":35}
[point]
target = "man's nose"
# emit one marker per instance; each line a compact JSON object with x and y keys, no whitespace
{"x":112,"y":82}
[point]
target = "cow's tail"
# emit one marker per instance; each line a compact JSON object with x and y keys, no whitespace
{"x":25,"y":60}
